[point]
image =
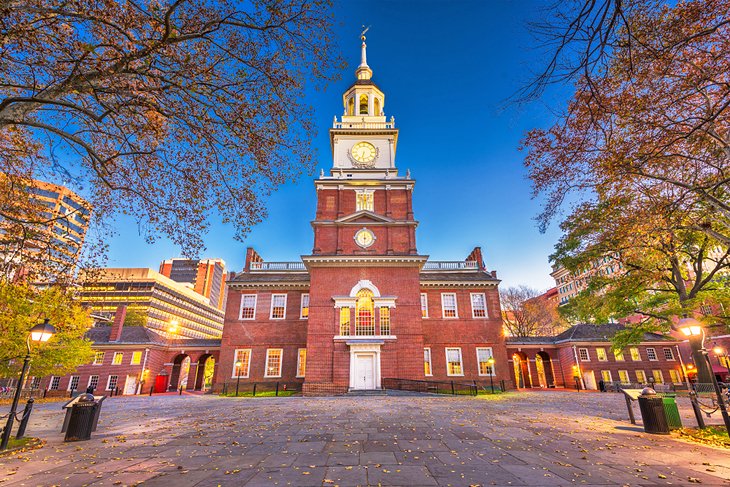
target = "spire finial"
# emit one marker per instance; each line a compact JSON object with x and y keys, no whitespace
{"x":364,"y":55}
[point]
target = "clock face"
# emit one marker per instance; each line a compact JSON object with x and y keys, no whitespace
{"x":364,"y":153}
{"x":364,"y":238}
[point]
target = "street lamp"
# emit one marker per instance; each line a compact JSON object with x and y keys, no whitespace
{"x":490,"y":361}
{"x":720,"y":352}
{"x":692,"y":328}
{"x":41,"y":332}
{"x":238,"y":375}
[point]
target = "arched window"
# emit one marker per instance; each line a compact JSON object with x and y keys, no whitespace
{"x":364,"y":313}
{"x":351,"y":105}
{"x":363,"y":104}
{"x":377,"y":107}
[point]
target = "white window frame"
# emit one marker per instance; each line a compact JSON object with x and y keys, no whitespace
{"x":430,"y":361}
{"x":96,"y":354}
{"x":121,"y":358}
{"x":281,"y":362}
{"x":479,"y":368}
{"x":366,"y":196}
{"x":638,"y":353}
{"x":666,"y":356}
{"x":628,"y":377}
{"x":240,"y":307}
{"x":641,"y":380}
{"x":610,"y":376}
{"x":661,"y":375}
{"x":301,"y":307}
{"x":109,"y":381}
{"x":587,"y":355}
{"x":675,"y":372}
{"x":598,"y":355}
{"x":653,"y":352}
{"x":461,"y":362}
{"x":271,"y":308}
{"x":299,"y":362}
{"x":137,"y":354}
{"x":424,"y":305}
{"x":617,"y":354}
{"x":484,"y":298}
{"x":71,"y":381}
{"x":50,"y":383}
{"x":235,"y":359}
{"x":97,"y":381}
{"x":443,"y":309}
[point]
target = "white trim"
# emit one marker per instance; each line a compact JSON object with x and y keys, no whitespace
{"x":628,"y":378}
{"x":355,"y":338}
{"x":299,"y":362}
{"x":664,"y":351}
{"x":643,"y":374}
{"x":430,"y":361}
{"x":70,"y":381}
{"x":588,"y":355}
{"x":240,"y":307}
{"x":109,"y":381}
{"x":103,"y":356}
{"x":97,"y":381}
{"x":610,"y":377}
{"x":114,"y":358}
{"x":656,"y":357}
{"x":266,"y":364}
{"x":605,"y":355}
{"x":301,"y":306}
{"x":661,"y":375}
{"x":424,"y":295}
{"x":132,"y":362}
{"x":479,"y":368}
{"x":484,"y":298}
{"x":248,"y":365}
{"x":50,"y":383}
{"x":456,"y":307}
{"x":461,"y":361}
{"x":638,"y":352}
{"x":364,"y":284}
{"x":271,"y":308}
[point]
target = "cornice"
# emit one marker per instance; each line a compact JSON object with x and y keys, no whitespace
{"x":370,"y":261}
{"x":268,"y":285}
{"x":372,"y":223}
{"x":442,"y":284}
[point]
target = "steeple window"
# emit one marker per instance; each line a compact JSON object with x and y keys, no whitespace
{"x":376,"y":111}
{"x":363,"y":104}
{"x":364,"y":200}
{"x":351,"y":105}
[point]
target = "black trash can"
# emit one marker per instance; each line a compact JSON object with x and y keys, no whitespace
{"x":652,"y":412}
{"x":81,"y":422}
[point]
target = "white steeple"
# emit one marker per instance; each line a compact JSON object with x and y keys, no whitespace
{"x":364,"y":71}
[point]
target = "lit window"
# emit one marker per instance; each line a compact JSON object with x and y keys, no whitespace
{"x":248,"y":306}
{"x":453,"y":362}
{"x":93,"y":381}
{"x":427,"y":369}
{"x":606,"y":376}
{"x":623,"y":376}
{"x":674,"y":375}
{"x":668,"y":354}
{"x":364,"y":313}
{"x":111,"y":384}
{"x":640,"y":377}
{"x":304,"y":309}
{"x":635,"y":356}
{"x":483,"y":356}
{"x":273,"y":362}
{"x":651,"y":353}
{"x":345,"y":321}
{"x":448,"y":305}
{"x":244,"y":357}
{"x":73,"y":384}
{"x":136,"y":358}
{"x":301,"y":362}
{"x":601,"y":354}
{"x":478,"y":305}
{"x":118,"y":358}
{"x":351,"y":106}
{"x":278,"y":307}
{"x":363,"y":104}
{"x":364,"y":200}
{"x":424,"y":305}
{"x":384,"y":321}
{"x":583,"y":354}
{"x":99,"y":358}
{"x":658,"y":376}
{"x":618,"y":355}
{"x":55,"y":382}
{"x":376,"y":111}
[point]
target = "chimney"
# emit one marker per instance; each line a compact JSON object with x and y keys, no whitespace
{"x":118,"y":324}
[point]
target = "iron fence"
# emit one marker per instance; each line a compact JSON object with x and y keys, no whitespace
{"x":435,"y":387}
{"x":260,"y":388}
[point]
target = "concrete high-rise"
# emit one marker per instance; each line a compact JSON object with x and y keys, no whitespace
{"x":207,"y":277}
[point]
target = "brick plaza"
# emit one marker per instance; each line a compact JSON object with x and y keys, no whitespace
{"x":526,"y":438}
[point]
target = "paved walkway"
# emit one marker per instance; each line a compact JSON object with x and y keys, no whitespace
{"x":527,"y":438}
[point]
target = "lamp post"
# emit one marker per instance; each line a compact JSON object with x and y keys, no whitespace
{"x":490,"y":361}
{"x":238,"y":375}
{"x":692,"y":328}
{"x":41,"y":332}
{"x":719,"y":352}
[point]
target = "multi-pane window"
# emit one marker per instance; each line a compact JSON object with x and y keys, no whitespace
{"x":583,"y":354}
{"x":478,"y":305}
{"x":111,"y":384}
{"x":301,"y":362}
{"x":304,"y":308}
{"x":635,"y":356}
{"x":618,"y":355}
{"x":136,"y":358}
{"x":344,"y":321}
{"x":668,"y":354}
{"x":98,"y":358}
{"x":483,"y":356}
{"x":606,"y":376}
{"x":278,"y":307}
{"x":453,"y":362}
{"x":248,"y":306}
{"x":448,"y":305}
{"x":273,"y":362}
{"x":640,"y":377}
{"x":674,"y":375}
{"x":94,"y":381}
{"x":651,"y":353}
{"x":73,"y":384}
{"x":427,"y":368}
{"x":55,"y":382}
{"x":424,"y":305}
{"x":601,"y":354}
{"x":658,"y":376}
{"x":364,"y":313}
{"x":118,"y":358}
{"x":35,"y":383}
{"x":364,"y":200}
{"x":241,"y":362}
{"x":384,"y":321}
{"x":623,"y":376}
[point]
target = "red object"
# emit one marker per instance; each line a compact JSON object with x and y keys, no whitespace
{"x":161,"y":383}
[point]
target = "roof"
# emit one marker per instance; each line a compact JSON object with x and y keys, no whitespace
{"x":140,"y":335}
{"x":271,"y":277}
{"x":585,"y":332}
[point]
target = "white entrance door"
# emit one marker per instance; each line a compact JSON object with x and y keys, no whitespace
{"x":590,"y":380}
{"x":130,"y":387}
{"x":364,"y":371}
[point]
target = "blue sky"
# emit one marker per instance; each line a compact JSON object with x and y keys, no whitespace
{"x":447,"y":70}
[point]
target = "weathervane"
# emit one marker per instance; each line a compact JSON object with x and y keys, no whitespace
{"x":364,"y":30}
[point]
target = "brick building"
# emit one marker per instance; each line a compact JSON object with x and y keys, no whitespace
{"x":585,"y":351}
{"x":206,"y":276}
{"x":365,"y":305}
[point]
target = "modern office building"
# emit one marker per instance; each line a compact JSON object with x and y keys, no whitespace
{"x":206,"y":277}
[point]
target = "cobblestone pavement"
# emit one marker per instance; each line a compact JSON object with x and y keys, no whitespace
{"x":529,"y":438}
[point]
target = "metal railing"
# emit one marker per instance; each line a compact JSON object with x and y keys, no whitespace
{"x":278,"y":266}
{"x":448,"y":265}
{"x":260,"y":388}
{"x":363,"y":125}
{"x":434,"y":387}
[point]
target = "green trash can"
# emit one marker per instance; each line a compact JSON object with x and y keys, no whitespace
{"x":672,"y":411}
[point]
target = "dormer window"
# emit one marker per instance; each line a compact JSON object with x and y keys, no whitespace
{"x":364,"y":200}
{"x":363,"y":104}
